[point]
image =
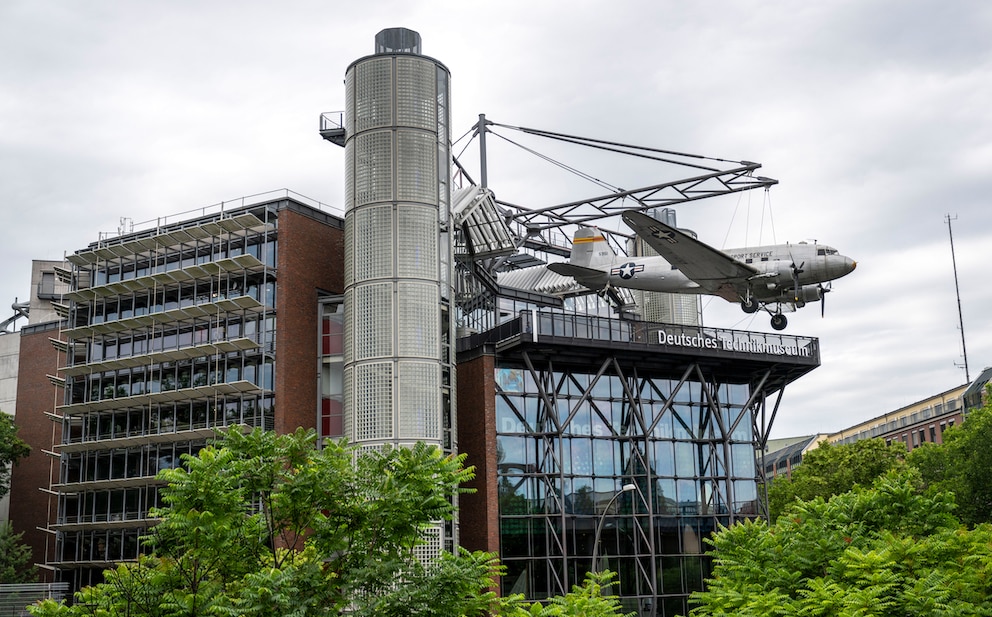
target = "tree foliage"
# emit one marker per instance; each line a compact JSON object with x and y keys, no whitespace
{"x":260,"y":524}
{"x":585,"y":600}
{"x":12,"y":449}
{"x":15,"y":557}
{"x":893,"y":549}
{"x":962,"y":465}
{"x":830,"y":469}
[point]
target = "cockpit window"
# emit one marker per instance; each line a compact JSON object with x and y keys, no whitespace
{"x":826,"y":251}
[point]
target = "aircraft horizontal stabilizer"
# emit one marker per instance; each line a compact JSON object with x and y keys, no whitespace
{"x":578,"y":272}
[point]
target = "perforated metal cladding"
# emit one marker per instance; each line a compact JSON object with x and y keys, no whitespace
{"x":430,"y":544}
{"x":349,"y":250}
{"x":373,"y":401}
{"x":416,"y":178}
{"x":415,"y":99}
{"x":349,"y":396}
{"x":419,"y":313}
{"x":349,"y":330}
{"x":419,"y":400}
{"x":443,"y":141}
{"x":372,"y":229}
{"x":373,"y":321}
{"x":349,"y":176}
{"x":373,"y":100}
{"x":364,"y":450}
{"x":349,"y":102}
{"x":373,"y":167}
{"x":417,"y":242}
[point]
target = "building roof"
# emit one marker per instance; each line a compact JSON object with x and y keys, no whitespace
{"x":978,"y":386}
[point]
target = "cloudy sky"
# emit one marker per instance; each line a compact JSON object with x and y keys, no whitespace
{"x":874,"y":115}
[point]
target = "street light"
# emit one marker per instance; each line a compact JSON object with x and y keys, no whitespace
{"x":626,"y":488}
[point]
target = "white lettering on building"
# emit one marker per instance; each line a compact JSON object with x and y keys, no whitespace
{"x":746,"y":344}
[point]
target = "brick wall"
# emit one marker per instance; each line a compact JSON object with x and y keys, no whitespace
{"x":311,"y":257}
{"x":479,"y":511}
{"x":31,"y":508}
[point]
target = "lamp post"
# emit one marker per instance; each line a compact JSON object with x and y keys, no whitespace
{"x":626,"y":488}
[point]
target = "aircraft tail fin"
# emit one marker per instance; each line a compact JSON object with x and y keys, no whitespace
{"x":590,"y":249}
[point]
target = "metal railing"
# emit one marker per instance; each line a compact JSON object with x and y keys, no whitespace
{"x":15,"y":598}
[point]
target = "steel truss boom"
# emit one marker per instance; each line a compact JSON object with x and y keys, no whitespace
{"x":710,"y":181}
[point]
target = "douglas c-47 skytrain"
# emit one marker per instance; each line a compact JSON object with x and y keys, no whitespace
{"x":774,"y":278}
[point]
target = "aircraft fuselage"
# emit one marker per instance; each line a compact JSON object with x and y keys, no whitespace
{"x":816,"y":263}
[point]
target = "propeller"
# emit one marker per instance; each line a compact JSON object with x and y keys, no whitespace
{"x":796,"y":271}
{"x":823,"y":298}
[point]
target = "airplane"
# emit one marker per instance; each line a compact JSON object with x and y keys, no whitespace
{"x":771,"y":278}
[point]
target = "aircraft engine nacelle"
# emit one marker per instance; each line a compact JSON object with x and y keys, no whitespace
{"x":807,"y":293}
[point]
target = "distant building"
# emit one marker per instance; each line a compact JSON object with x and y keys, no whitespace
{"x":37,"y":309}
{"x":784,"y":455}
{"x":915,"y":424}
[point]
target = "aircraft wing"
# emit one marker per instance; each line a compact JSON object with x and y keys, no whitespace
{"x":714,"y":270}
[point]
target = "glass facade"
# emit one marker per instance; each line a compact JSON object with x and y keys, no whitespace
{"x":629,"y":440}
{"x":569,"y":440}
{"x":169,"y":334}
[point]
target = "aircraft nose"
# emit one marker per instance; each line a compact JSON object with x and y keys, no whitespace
{"x":842,"y":266}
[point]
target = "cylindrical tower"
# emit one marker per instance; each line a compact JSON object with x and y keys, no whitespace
{"x":399,"y":358}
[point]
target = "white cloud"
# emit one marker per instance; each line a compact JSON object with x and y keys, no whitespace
{"x":873,"y":116}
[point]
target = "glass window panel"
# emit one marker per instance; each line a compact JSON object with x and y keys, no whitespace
{"x":581,"y":456}
{"x":606,"y":456}
{"x":515,"y":454}
{"x":507,"y":421}
{"x":685,"y":459}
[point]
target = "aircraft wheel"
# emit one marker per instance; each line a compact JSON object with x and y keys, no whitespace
{"x":779,"y":322}
{"x":750,"y":305}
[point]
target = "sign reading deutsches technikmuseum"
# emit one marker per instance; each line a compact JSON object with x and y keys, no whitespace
{"x":730,"y":340}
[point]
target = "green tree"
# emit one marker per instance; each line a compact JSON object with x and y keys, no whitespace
{"x":260,"y":524}
{"x":962,"y":465}
{"x":12,"y":449}
{"x":585,"y":600}
{"x":15,"y":557}
{"x":893,"y":549}
{"x":833,"y":469}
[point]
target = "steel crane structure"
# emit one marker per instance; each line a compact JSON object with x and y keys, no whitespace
{"x":492,"y":231}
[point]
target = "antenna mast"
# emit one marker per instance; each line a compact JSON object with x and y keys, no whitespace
{"x":957,"y":290}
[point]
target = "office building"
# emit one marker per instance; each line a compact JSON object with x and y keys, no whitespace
{"x":168,"y":333}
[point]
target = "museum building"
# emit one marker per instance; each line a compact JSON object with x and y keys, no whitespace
{"x":600,"y":440}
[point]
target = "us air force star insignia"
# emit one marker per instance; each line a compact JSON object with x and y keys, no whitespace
{"x":627,"y":270}
{"x":664,"y":235}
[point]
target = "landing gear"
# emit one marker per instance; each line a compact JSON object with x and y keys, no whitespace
{"x":779,"y":322}
{"x":750,"y":305}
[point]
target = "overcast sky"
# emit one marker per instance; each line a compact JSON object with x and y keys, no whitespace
{"x":873,"y":115}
